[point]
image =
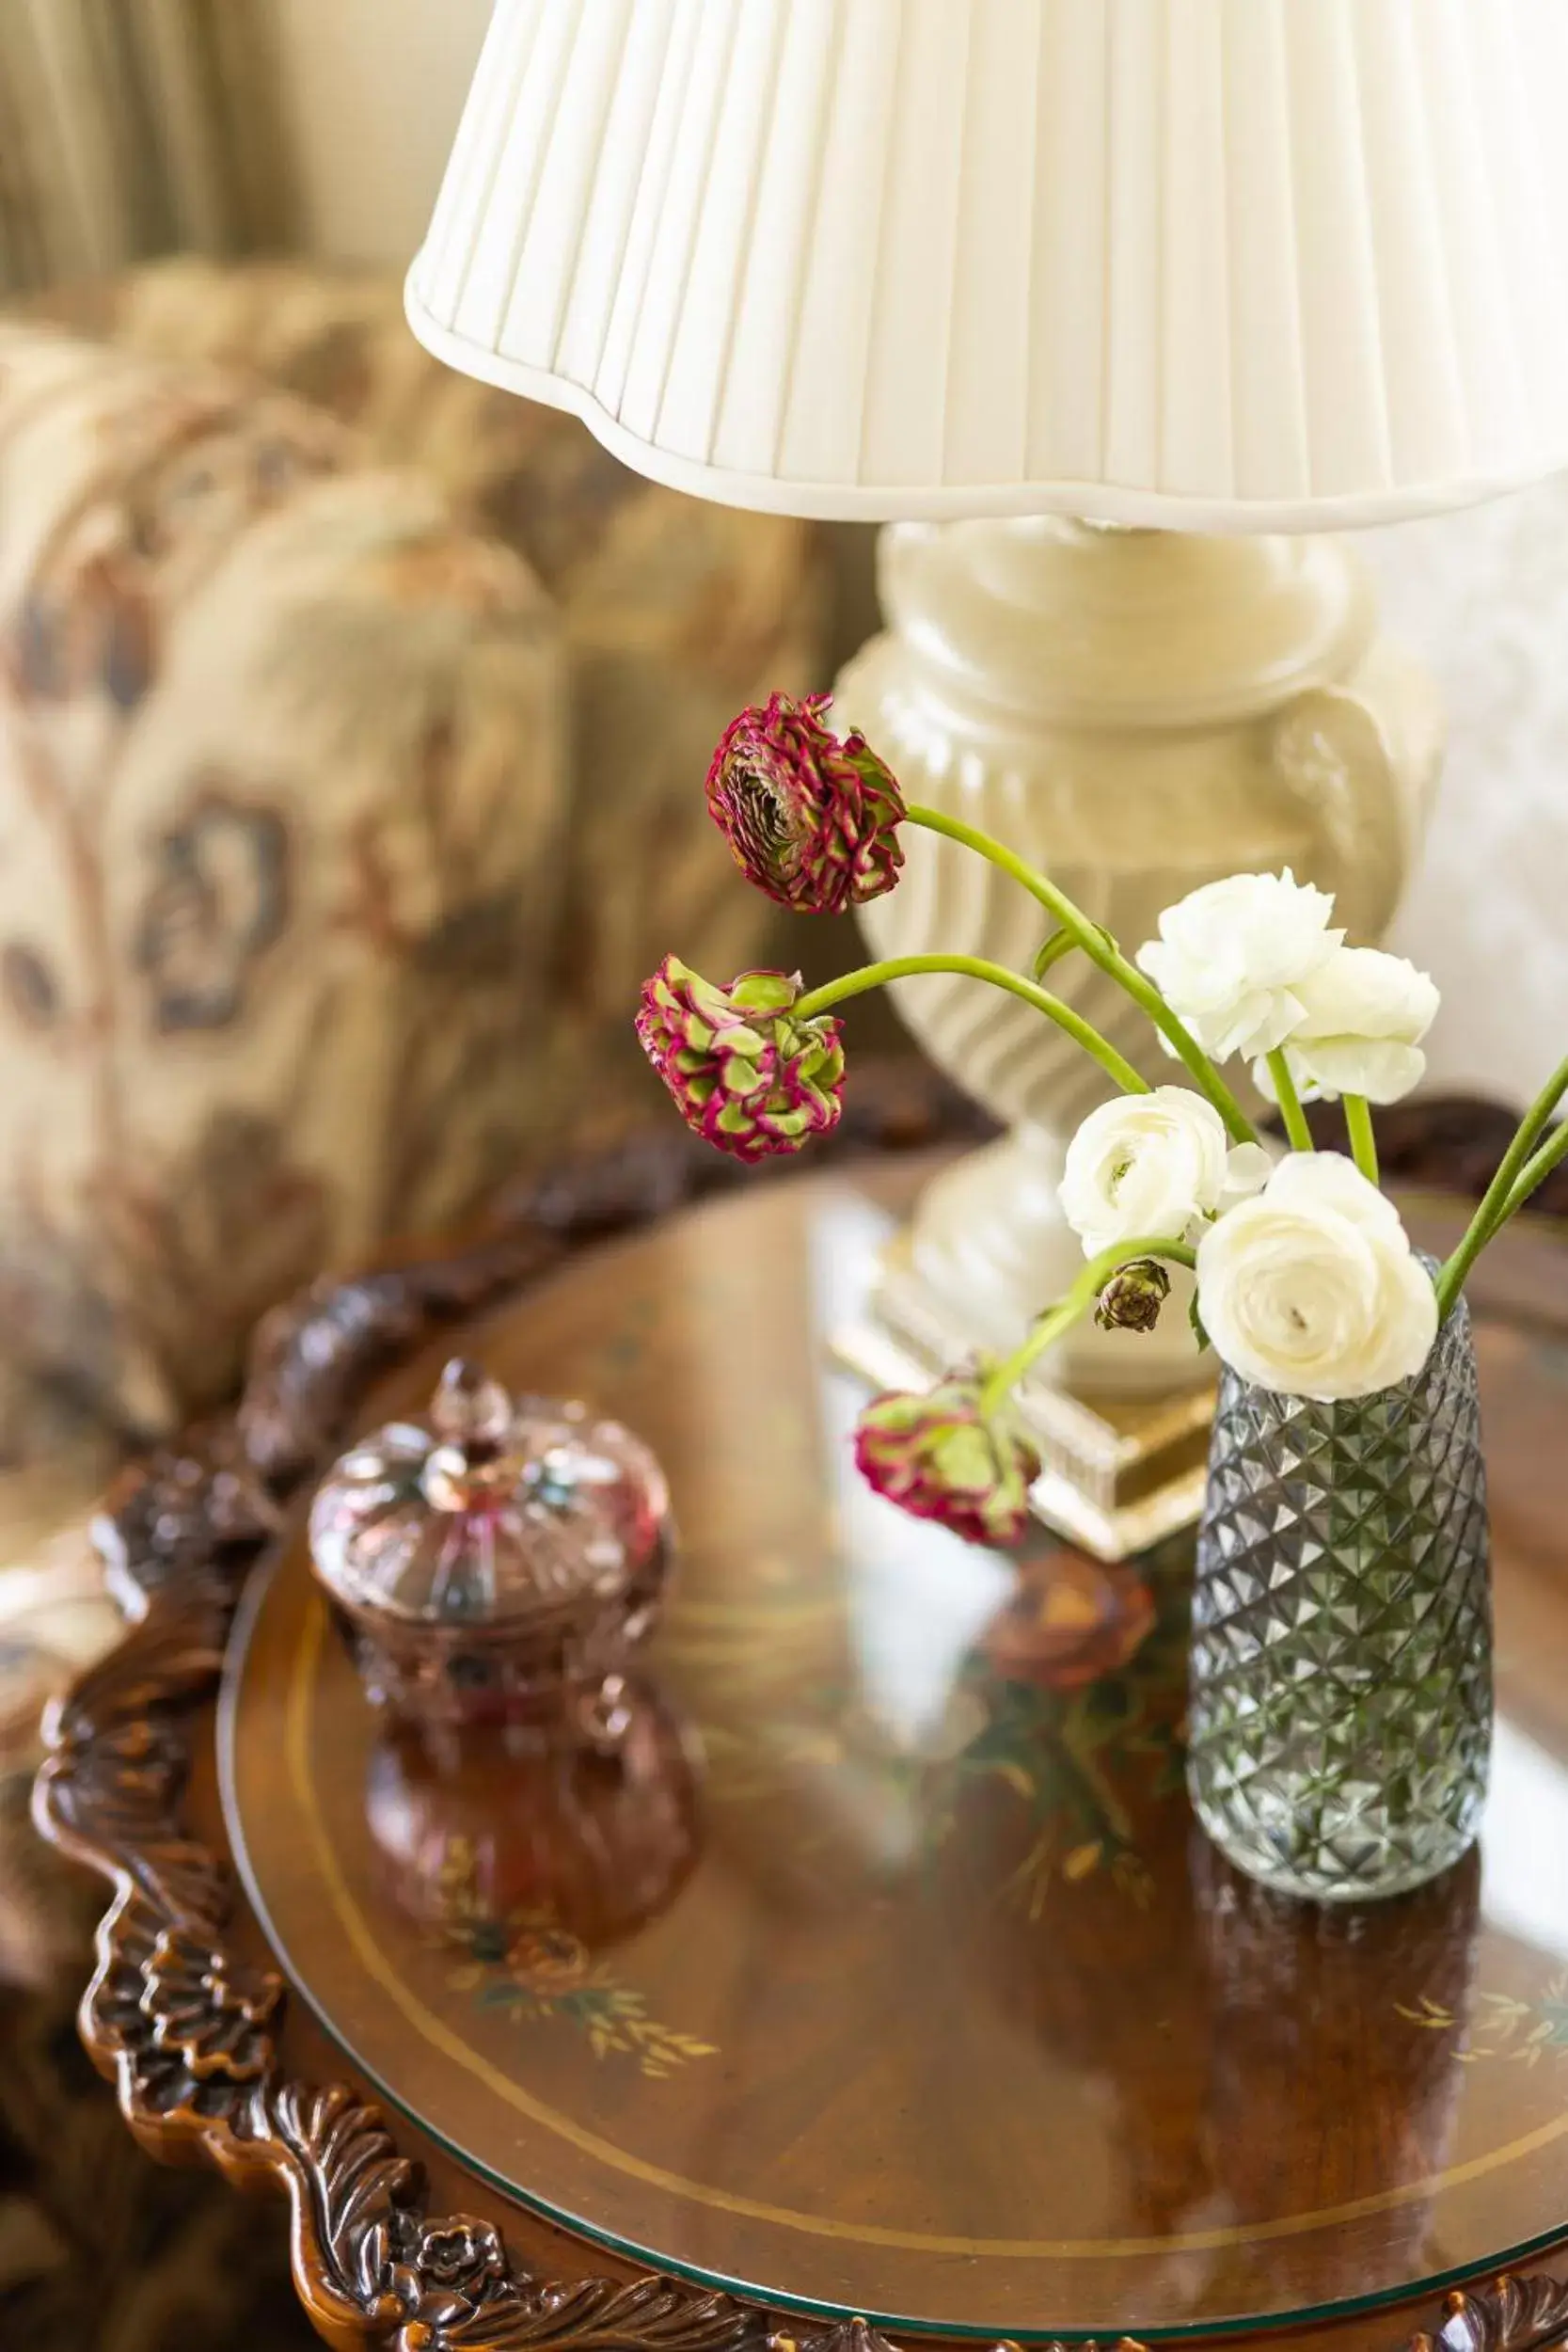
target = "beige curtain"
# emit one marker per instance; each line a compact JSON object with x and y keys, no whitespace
{"x":132,"y":127}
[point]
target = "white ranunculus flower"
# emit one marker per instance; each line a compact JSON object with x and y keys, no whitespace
{"x":1364,"y":1015}
{"x":1232,"y":959}
{"x":1153,"y":1163}
{"x":1312,"y":1289}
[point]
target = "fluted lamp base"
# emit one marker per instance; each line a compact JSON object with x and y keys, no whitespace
{"x":1136,"y":713}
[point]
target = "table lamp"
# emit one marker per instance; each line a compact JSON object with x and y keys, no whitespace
{"x":1094,"y":302}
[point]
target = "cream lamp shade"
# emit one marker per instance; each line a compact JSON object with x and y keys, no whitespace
{"x":1215,"y":264}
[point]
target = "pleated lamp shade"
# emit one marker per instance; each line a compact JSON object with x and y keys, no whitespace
{"x":1215,"y":264}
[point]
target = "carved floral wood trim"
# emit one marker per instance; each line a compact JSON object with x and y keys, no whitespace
{"x":184,"y":2028}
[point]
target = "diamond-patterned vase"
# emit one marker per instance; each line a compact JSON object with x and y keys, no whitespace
{"x":1340,"y":1716}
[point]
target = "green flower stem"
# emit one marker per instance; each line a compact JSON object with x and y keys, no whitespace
{"x":1497,"y":1203}
{"x":976,"y":968}
{"x":1511,"y":1168}
{"x":1363,"y":1141}
{"x":1102,"y":949}
{"x":1298,"y":1134}
{"x":1537,"y":1169}
{"x":1079,"y":1299}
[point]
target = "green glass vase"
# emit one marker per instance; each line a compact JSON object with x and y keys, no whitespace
{"x":1340,"y":1709}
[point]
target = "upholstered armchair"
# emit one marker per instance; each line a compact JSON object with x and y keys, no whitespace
{"x":353,"y":722}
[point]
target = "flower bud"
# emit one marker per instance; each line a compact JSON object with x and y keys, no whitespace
{"x":1131,"y":1299}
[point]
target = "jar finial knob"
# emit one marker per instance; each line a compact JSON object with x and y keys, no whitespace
{"x":471,"y":1409}
{"x":473,"y":1417}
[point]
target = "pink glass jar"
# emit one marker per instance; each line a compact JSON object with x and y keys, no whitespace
{"x":496,"y":1559}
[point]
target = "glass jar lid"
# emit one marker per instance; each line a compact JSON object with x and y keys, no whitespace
{"x":493,"y":1513}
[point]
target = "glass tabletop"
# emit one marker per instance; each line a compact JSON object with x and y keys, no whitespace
{"x":887,"y":1972}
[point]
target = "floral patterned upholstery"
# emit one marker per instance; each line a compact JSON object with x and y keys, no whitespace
{"x":309,"y":920}
{"x":675,"y":612}
{"x":281,"y":791}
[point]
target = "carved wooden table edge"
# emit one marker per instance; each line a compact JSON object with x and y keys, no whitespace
{"x":186,"y":2030}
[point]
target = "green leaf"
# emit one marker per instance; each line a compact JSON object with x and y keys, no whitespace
{"x":1060,"y":944}
{"x":1195,"y":1319}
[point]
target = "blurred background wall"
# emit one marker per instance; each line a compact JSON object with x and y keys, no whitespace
{"x":1484,"y":596}
{"x":131,"y":127}
{"x":374,"y":90}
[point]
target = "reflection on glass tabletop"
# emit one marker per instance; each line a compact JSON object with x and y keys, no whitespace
{"x":886,"y":1972}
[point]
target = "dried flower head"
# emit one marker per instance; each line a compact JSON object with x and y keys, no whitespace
{"x":745,"y":1073}
{"x":941,"y":1457}
{"x":812,"y":818}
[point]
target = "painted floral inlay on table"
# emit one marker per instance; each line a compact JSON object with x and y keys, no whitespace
{"x":1501,"y":2025}
{"x":535,"y":1972}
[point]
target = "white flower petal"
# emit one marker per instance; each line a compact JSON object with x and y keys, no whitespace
{"x":1307,"y":1086}
{"x":1309,"y":1181}
{"x":1233,"y":956}
{"x":1379,"y":1067}
{"x":1144,"y":1165}
{"x":1407,"y":1320}
{"x":1311,"y":1289}
{"x":1247,"y":1172}
{"x":1360,"y":992}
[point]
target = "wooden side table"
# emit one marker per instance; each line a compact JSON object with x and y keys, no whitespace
{"x":886,"y":1988}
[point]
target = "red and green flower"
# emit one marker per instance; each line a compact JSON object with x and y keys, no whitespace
{"x":812,"y":817}
{"x":943,"y":1456}
{"x":745,"y":1072}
